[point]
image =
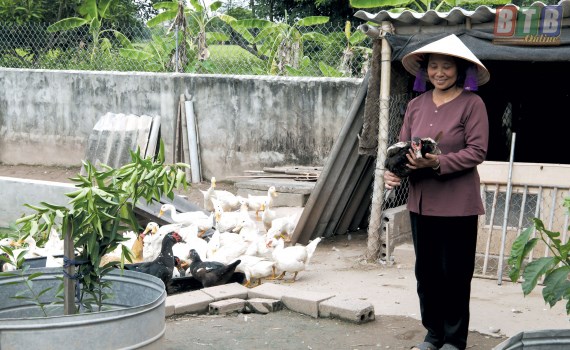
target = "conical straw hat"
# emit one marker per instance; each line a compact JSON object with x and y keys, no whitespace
{"x":450,"y":45}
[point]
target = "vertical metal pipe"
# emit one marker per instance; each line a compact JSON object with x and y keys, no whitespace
{"x":565,"y":227}
{"x":551,"y":218}
{"x":490,"y":233}
{"x":537,"y":212}
{"x":507,"y":207}
{"x":176,"y":54}
{"x":384,"y":115}
{"x":522,"y":213}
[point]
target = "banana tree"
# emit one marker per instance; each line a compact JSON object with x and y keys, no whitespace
{"x":280,"y":43}
{"x":94,"y":12}
{"x":192,"y":23}
{"x":352,"y":39}
{"x":155,"y":55}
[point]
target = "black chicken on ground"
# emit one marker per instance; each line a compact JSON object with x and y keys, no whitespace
{"x":163,"y":266}
{"x":211,"y":273}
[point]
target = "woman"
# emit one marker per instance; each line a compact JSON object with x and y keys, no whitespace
{"x":444,"y":195}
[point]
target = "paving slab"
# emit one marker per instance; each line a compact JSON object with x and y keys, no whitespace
{"x":305,"y":302}
{"x":227,"y":291}
{"x":189,"y":302}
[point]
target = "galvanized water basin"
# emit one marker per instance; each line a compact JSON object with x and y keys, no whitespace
{"x":134,"y":317}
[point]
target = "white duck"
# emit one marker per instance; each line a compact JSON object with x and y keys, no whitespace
{"x":54,"y":244}
{"x":228,"y":220}
{"x":152,"y":242}
{"x":191,"y":240}
{"x":255,"y":202}
{"x":186,"y":218}
{"x":283,"y":227}
{"x":209,"y":194}
{"x":267,"y":216}
{"x":292,"y":259}
{"x":228,"y":200}
{"x":255,"y":268}
{"x":230,"y":247}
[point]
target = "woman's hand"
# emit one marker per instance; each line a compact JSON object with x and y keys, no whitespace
{"x":430,"y":161}
{"x":391,"y":180}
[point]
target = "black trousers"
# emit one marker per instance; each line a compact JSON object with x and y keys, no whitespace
{"x":445,"y":260}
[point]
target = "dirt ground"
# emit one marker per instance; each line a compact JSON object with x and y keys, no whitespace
{"x":336,"y":267}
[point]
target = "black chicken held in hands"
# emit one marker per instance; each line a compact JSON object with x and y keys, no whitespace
{"x":163,"y":266}
{"x":396,"y":160}
{"x":211,"y":273}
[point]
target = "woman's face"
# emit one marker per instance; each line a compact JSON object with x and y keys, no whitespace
{"x":442,"y":71}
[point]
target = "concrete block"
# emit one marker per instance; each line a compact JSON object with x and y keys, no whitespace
{"x":352,"y":310}
{"x":192,"y":302}
{"x":282,"y":200}
{"x":290,"y":193}
{"x":263,"y":305}
{"x":227,"y":291}
{"x":168,"y":308}
{"x":270,"y":291}
{"x":305,"y":302}
{"x":227,"y":306}
{"x":396,"y":230}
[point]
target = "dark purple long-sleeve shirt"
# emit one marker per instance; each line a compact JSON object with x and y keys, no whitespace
{"x":455,"y":191}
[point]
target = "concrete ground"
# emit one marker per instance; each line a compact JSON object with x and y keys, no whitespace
{"x":338,"y":267}
{"x":497,"y":311}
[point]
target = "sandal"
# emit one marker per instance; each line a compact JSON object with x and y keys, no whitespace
{"x":425,"y":346}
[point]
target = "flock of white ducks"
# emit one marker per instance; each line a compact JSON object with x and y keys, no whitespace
{"x":261,"y":248}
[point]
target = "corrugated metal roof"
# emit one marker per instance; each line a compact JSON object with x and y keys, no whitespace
{"x":482,"y":14}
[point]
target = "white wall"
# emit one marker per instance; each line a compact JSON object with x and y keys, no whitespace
{"x":244,"y":122}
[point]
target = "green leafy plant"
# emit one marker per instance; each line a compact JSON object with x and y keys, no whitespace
{"x":555,"y":269}
{"x":191,"y":23}
{"x":29,"y":293}
{"x":100,"y":209}
{"x":93,"y":15}
{"x":280,"y":44}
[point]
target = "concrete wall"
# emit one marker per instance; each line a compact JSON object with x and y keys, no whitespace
{"x":244,"y":122}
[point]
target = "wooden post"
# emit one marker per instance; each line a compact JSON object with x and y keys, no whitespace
{"x":68,"y":284}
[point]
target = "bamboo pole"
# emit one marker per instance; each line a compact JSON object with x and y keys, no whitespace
{"x":68,"y":283}
{"x":375,"y":226}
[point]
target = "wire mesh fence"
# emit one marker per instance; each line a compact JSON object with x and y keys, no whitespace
{"x":324,"y":50}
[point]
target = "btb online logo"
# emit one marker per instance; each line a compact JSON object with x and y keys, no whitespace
{"x":534,"y":25}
